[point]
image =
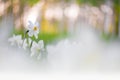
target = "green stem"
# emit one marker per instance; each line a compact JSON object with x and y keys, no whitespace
{"x":25,"y":36}
{"x":31,"y":44}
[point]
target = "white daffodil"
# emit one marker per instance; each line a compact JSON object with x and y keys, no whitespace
{"x":27,"y":43}
{"x":37,"y":48}
{"x":33,"y":29}
{"x":16,"y":40}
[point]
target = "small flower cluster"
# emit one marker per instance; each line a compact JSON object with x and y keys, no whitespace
{"x":36,"y":48}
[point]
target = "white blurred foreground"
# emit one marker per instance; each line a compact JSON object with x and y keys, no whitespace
{"x":84,"y":52}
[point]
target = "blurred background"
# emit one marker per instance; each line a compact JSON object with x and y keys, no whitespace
{"x":61,"y":19}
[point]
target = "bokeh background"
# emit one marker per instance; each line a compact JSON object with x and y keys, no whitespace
{"x":94,"y":24}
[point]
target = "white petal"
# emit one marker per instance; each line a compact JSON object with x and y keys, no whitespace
{"x":36,"y":36}
{"x":29,"y":41}
{"x":18,"y":37}
{"x":37,"y":32}
{"x":11,"y":39}
{"x":41,"y":44}
{"x":37,"y":24}
{"x":30,"y":33}
{"x":19,"y":43}
{"x":39,"y":56}
{"x":16,"y":40}
{"x":33,"y":49}
{"x":34,"y":44}
{"x":25,"y":45}
{"x":30,"y":25}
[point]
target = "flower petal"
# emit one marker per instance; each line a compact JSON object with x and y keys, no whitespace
{"x":16,"y":40}
{"x":41,"y":44}
{"x":36,"y":35}
{"x":30,"y":25}
{"x":25,"y":45}
{"x":29,"y":42}
{"x":34,"y":44}
{"x":39,"y":56}
{"x":30,"y":33}
{"x":37,"y":24}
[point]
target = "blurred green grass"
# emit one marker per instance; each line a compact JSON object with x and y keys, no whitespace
{"x":48,"y":38}
{"x":108,"y":37}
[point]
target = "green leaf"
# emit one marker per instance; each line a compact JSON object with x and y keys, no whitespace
{"x":32,"y":2}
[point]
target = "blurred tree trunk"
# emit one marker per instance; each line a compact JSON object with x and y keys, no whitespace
{"x":18,"y":8}
{"x":22,"y":5}
{"x":119,"y":24}
{"x":7,"y":8}
{"x":119,"y":17}
{"x":116,"y":16}
{"x":108,"y":17}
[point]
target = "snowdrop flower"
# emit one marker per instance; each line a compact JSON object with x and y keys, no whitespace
{"x":33,"y":29}
{"x":16,"y":40}
{"x":37,"y":48}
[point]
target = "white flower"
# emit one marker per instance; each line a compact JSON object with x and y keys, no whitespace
{"x":37,"y":48}
{"x":33,"y":29}
{"x":16,"y":40}
{"x":27,"y":43}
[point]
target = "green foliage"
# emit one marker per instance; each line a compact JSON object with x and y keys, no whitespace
{"x":49,"y":38}
{"x":116,"y":2}
{"x":17,"y":32}
{"x":67,"y":0}
{"x":46,"y":37}
{"x":108,"y":37}
{"x":116,"y":6}
{"x":92,"y":2}
{"x":31,"y":2}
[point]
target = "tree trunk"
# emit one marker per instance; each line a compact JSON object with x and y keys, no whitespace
{"x":116,"y":17}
